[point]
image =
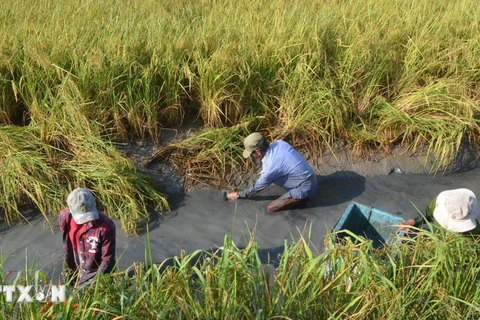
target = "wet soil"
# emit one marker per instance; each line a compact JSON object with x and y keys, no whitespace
{"x":398,"y":182}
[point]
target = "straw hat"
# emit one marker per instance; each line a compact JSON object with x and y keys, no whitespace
{"x":456,"y":210}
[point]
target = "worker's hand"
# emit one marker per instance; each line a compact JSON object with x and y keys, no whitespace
{"x":405,"y":226}
{"x":233,"y":195}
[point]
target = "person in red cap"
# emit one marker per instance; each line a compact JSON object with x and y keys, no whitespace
{"x":281,"y":165}
{"x":89,"y":238}
{"x":455,"y":210}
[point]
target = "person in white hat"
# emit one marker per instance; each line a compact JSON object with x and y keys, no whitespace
{"x":282,"y":165}
{"x":89,"y":238}
{"x":455,"y":210}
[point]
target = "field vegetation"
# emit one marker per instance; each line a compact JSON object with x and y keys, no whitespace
{"x":432,"y":277}
{"x":78,"y":77}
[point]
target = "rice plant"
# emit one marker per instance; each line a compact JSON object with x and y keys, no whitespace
{"x":369,"y":74}
{"x":214,"y":156}
{"x":432,"y":276}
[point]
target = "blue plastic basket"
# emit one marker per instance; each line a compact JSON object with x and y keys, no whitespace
{"x":368,"y":222}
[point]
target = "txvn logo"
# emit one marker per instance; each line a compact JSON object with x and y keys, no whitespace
{"x":39,"y":293}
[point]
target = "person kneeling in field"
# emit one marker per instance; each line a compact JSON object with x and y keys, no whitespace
{"x":454,"y":210}
{"x":89,"y":238}
{"x":282,"y":165}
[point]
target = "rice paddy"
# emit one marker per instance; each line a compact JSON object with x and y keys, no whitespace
{"x":77,"y":77}
{"x":80,"y":77}
{"x":432,"y":277}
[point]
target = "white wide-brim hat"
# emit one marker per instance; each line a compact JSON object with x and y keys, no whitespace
{"x":456,"y":210}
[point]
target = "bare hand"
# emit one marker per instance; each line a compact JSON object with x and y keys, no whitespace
{"x":405,"y":226}
{"x":233,"y":195}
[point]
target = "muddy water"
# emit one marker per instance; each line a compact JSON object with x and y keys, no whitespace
{"x":201,"y":219}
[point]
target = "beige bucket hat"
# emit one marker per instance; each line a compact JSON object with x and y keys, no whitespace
{"x":251,"y":143}
{"x":456,"y":210}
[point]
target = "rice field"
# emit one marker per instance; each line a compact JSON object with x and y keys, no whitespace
{"x":78,"y":77}
{"x":432,"y":277}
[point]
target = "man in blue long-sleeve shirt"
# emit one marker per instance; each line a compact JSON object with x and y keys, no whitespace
{"x":282,"y":165}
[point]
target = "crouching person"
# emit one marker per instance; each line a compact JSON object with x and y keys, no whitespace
{"x":281,"y":165}
{"x":88,"y":238}
{"x":454,"y":210}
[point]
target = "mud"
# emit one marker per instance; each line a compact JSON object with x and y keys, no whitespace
{"x":398,"y":182}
